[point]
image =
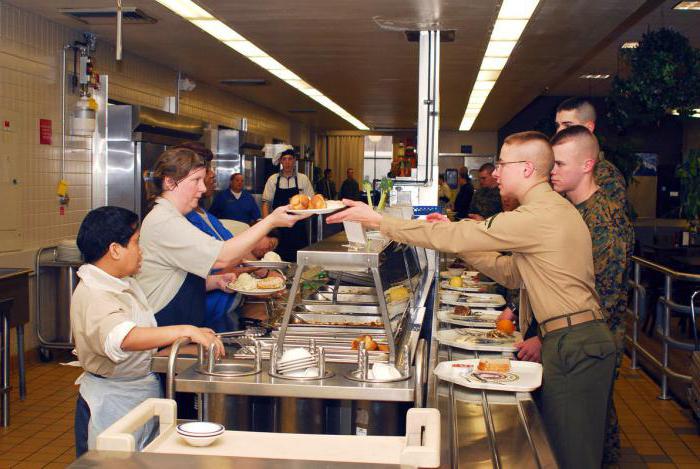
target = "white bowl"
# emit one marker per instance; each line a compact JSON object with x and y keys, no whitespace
{"x":200,"y":440}
{"x":294,"y":354}
{"x":384,"y":371}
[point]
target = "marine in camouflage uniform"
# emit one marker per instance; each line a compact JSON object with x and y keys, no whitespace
{"x":486,"y":202}
{"x":611,"y":180}
{"x":612,"y":236}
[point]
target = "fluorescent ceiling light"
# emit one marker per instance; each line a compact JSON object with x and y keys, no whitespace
{"x":218,"y":29}
{"x":512,"y":19}
{"x":499,"y":48}
{"x":494,"y":63}
{"x":246,"y":48}
{"x":199,"y":17}
{"x":488,"y":75}
{"x":269,"y":64}
{"x":508,"y":30}
{"x":630,"y":45}
{"x":687,"y":6}
{"x":600,"y":76}
{"x":485,"y":85}
{"x":186,"y":8}
{"x":517,"y":9}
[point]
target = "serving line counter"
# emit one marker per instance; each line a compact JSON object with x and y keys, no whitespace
{"x":260,"y":398}
{"x":481,"y":428}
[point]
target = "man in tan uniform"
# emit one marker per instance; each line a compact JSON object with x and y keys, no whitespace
{"x":552,"y":263}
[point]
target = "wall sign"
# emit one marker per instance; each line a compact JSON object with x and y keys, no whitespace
{"x":45,"y":131}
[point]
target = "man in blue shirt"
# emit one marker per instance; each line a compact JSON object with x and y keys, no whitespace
{"x":235,"y":203}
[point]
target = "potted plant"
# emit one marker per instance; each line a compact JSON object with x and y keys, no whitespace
{"x":689,"y":174}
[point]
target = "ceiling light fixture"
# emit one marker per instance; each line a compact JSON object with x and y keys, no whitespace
{"x":687,"y":6}
{"x":591,"y":76}
{"x":509,"y":26}
{"x":201,"y":18}
{"x":630,"y":45}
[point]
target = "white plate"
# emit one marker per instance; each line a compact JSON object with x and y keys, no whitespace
{"x":453,"y":338}
{"x":267,"y":264}
{"x":528,"y":376}
{"x":466,"y":287}
{"x":257,"y":291}
{"x":484,"y":318}
{"x":331,"y":206}
{"x":472,"y":299}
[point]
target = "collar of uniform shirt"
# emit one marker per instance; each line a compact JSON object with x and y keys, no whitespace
{"x":94,"y":277}
{"x":535,"y":191}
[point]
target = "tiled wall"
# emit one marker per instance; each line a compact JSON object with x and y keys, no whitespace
{"x":30,"y":90}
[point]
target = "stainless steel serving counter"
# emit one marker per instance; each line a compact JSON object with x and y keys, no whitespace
{"x":121,"y":460}
{"x":484,"y":429}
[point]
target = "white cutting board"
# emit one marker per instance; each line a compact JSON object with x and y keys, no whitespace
{"x":528,"y":376}
{"x":453,"y":338}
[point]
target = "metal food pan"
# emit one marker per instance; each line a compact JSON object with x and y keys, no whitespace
{"x":339,"y":320}
{"x":363,"y":310}
{"x":325,"y":296}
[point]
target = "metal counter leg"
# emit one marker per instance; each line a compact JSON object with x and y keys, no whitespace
{"x":20,"y":361}
{"x":5,"y":385}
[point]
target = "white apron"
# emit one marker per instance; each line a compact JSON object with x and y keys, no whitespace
{"x":110,"y":399}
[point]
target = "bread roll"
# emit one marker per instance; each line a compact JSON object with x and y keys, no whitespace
{"x":317,"y":201}
{"x":299,"y":202}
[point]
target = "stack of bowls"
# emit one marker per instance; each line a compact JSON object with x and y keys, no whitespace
{"x":200,"y":433}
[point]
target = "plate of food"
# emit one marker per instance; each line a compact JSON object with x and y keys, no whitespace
{"x":246,"y":284}
{"x":500,"y":339}
{"x":472,"y":299}
{"x":457,"y":284}
{"x":496,"y":374}
{"x":271,"y":260}
{"x":302,"y":205}
{"x":469,"y":317}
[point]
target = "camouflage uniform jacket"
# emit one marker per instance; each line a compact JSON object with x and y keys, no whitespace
{"x":612,"y":236}
{"x":486,"y":202}
{"x":611,"y":180}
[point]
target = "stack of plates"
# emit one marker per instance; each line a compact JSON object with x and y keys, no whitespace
{"x":200,"y":433}
{"x":67,"y":251}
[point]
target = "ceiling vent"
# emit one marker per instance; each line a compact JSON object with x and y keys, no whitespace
{"x":301,"y":111}
{"x":107,"y":16}
{"x":244,"y":82}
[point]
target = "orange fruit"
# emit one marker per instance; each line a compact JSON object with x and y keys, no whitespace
{"x":505,"y":326}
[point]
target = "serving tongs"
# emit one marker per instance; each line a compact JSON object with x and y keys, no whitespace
{"x":250,"y":332}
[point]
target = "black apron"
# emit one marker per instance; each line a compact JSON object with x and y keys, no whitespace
{"x":294,"y":238}
{"x":188,"y":306}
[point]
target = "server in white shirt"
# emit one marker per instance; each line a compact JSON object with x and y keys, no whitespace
{"x":279,"y":188}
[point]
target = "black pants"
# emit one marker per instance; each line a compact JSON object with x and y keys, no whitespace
{"x":82,"y":419}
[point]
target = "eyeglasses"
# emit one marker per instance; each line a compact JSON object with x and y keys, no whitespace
{"x":500,"y":163}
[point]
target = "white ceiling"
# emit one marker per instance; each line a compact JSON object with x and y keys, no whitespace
{"x":338,"y":47}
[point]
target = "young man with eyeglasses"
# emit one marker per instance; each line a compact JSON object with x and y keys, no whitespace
{"x":552,"y":263}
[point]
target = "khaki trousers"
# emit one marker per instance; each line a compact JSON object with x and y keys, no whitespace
{"x":578,"y":366}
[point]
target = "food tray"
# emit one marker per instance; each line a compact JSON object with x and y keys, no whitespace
{"x":453,"y":338}
{"x":472,"y":299}
{"x":528,"y":376}
{"x":485,"y":318}
{"x":336,"y":320}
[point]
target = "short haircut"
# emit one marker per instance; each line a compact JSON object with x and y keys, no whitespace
{"x":198,"y":148}
{"x":326,"y":171}
{"x":583,"y":107}
{"x":103,"y":226}
{"x":464,"y":172}
{"x":487,"y":167}
{"x":539,"y":151}
{"x":234,"y":175}
{"x":274,"y":233}
{"x":287,"y":152}
{"x":578,"y":133}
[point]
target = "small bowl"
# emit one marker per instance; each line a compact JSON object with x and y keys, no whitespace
{"x":200,"y":433}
